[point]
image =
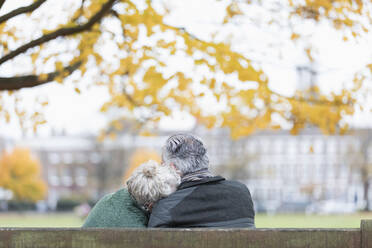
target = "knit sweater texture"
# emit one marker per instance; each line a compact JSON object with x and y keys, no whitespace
{"x":116,"y":210}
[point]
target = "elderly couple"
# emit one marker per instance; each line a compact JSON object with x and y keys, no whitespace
{"x":179,"y":193}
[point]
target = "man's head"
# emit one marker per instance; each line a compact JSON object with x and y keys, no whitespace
{"x":150,"y":182}
{"x":186,"y":153}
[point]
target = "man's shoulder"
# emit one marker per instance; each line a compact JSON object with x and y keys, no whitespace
{"x":184,"y":193}
{"x":234,"y":183}
{"x":236,"y":186}
{"x":222,"y":182}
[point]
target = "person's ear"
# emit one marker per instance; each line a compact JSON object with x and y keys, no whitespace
{"x":149,"y":207}
{"x":175,"y":168}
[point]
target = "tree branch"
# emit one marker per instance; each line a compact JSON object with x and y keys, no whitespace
{"x":129,"y":97}
{"x":20,"y":10}
{"x":16,"y":83}
{"x":60,"y":33}
{"x":114,"y":13}
{"x":1,"y":3}
{"x":313,"y":101}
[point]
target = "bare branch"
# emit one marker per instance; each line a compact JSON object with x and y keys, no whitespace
{"x":60,"y":32}
{"x":16,"y":83}
{"x":114,"y":13}
{"x":21,"y":10}
{"x":1,"y":3}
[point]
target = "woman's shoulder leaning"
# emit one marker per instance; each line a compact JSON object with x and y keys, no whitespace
{"x":120,"y":197}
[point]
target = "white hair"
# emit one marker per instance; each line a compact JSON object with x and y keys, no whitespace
{"x":150,"y":182}
{"x":186,"y":152}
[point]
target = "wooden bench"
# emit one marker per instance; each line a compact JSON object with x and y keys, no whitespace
{"x":182,"y":238}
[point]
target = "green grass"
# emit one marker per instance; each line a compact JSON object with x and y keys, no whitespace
{"x":262,"y":221}
{"x":39,"y":220}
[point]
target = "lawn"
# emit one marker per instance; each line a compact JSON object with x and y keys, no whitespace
{"x":39,"y":220}
{"x":262,"y":221}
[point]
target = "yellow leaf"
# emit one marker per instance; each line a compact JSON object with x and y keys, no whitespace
{"x":295,"y":36}
{"x":43,"y":77}
{"x":59,"y":66}
{"x":311,"y":150}
{"x":309,"y":55}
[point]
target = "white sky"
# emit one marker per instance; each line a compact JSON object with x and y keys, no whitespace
{"x":337,"y":61}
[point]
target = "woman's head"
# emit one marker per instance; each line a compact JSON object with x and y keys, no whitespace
{"x":150,"y":182}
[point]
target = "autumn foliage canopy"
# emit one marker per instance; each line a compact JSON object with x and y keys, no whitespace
{"x":144,"y":76}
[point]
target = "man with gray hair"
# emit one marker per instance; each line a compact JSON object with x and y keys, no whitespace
{"x":202,"y":199}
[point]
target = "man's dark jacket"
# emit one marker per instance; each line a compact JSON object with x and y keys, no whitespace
{"x":210,"y":202}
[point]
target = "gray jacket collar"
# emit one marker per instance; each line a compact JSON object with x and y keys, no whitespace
{"x":206,"y":180}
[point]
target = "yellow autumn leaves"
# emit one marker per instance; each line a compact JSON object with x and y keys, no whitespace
{"x":20,"y":173}
{"x":138,"y":157}
{"x":141,"y":76}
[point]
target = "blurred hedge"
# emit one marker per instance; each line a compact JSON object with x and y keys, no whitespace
{"x":21,"y":206}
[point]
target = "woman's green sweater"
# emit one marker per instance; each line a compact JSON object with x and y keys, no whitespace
{"x":116,"y":210}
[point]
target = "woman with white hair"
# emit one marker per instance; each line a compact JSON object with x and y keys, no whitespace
{"x":130,"y":207}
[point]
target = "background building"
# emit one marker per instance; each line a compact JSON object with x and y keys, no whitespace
{"x":283,"y":172}
{"x":280,"y":168}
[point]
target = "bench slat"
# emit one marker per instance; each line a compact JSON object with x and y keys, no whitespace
{"x":181,"y":238}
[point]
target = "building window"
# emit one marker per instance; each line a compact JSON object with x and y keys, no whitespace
{"x":292,"y":147}
{"x":252,"y":147}
{"x":305,"y":146}
{"x":66,"y":177}
{"x":278,"y":146}
{"x":54,"y":158}
{"x":344,"y":146}
{"x":265,"y":146}
{"x":95,"y":158}
{"x":67,"y":158}
{"x":318,"y":146}
{"x":81,"y":177}
{"x":53,"y":178}
{"x":81,"y":158}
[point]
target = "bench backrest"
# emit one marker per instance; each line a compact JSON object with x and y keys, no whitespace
{"x":182,"y":238}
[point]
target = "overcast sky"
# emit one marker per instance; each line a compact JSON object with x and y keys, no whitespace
{"x":337,"y":61}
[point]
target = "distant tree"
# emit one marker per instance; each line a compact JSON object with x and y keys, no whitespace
{"x":140,"y":156}
{"x":20,"y":173}
{"x":139,"y":73}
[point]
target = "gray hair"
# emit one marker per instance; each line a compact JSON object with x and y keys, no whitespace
{"x":150,"y":182}
{"x":186,"y":152}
